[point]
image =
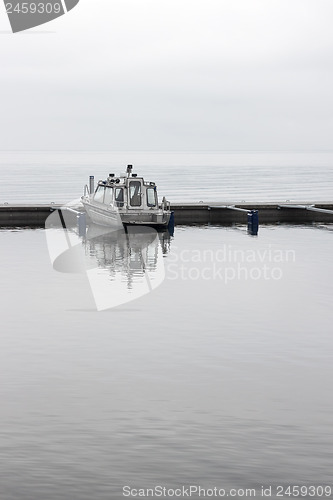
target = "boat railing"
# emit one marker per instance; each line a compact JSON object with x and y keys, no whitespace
{"x":165,"y":205}
{"x":86,"y":191}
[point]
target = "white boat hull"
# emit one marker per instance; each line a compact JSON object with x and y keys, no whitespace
{"x":112,"y":217}
{"x":103,"y":217}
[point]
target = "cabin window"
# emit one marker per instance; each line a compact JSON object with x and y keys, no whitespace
{"x":119,"y":197}
{"x":108,"y":195}
{"x":99,"y":194}
{"x":151,"y":197}
{"x":135,"y":193}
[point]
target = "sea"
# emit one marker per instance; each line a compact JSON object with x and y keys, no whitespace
{"x":152,"y":365}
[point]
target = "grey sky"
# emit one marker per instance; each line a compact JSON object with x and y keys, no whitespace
{"x":182,"y":74}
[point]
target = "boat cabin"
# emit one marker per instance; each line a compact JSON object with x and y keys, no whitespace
{"x":129,"y":192}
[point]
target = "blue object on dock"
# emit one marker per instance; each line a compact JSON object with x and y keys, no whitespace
{"x":82,"y":224}
{"x":253,"y":222}
{"x":171,"y":225}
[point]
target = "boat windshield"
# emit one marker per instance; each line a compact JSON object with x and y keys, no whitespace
{"x":119,"y":197}
{"x":151,"y":197}
{"x":99,"y":194}
{"x":108,"y":195}
{"x":135,"y":193}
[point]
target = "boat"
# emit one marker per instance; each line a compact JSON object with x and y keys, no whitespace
{"x":125,"y":200}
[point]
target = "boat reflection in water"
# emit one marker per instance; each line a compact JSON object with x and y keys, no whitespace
{"x":121,"y":264}
{"x":127,"y":263}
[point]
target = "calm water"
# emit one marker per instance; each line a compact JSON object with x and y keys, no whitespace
{"x":255,"y":176}
{"x":215,"y":370}
{"x":203,"y":381}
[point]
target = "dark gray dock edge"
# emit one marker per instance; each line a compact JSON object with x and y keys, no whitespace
{"x":216,"y":213}
{"x":15,"y":215}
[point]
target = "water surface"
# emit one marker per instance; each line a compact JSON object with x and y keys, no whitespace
{"x":199,"y":382}
{"x":31,"y":177}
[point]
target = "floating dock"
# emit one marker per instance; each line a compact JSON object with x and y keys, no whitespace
{"x":224,"y":213}
{"x":269,"y":213}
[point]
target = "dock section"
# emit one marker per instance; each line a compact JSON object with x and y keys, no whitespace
{"x":269,"y":213}
{"x":15,"y":215}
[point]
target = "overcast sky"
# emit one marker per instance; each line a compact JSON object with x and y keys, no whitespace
{"x":171,"y":75}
